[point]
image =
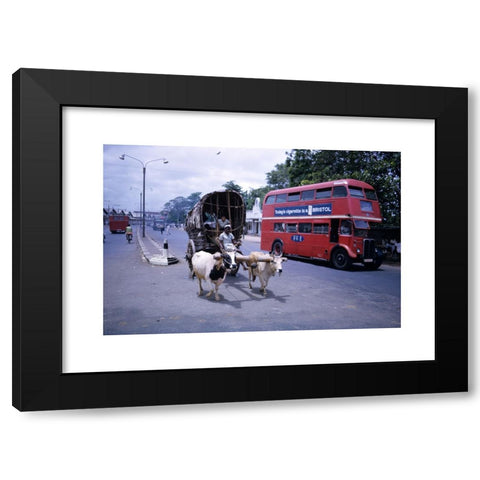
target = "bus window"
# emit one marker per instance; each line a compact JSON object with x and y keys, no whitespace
{"x":308,"y":194}
{"x":304,"y":228}
{"x":293,"y":197}
{"x":361,"y":224}
{"x":346,"y":227}
{"x":291,"y":228}
{"x":324,"y":193}
{"x":339,"y":191}
{"x":356,"y":192}
{"x":370,"y":194}
{"x":366,"y":206}
{"x":320,"y":228}
{"x":282,"y":198}
{"x":361,"y":228}
{"x":270,"y":200}
{"x":360,"y":232}
{"x":278,"y":227}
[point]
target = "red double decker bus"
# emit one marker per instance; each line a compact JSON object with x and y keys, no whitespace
{"x":329,"y":221}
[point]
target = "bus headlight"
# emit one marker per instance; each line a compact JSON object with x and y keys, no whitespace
{"x":358,"y":250}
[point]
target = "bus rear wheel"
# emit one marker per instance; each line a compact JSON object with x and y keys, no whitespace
{"x":341,"y":260}
{"x":277,"y":247}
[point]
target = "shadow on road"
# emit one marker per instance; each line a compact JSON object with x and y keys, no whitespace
{"x":323,"y":263}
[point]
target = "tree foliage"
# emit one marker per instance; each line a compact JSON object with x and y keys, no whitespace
{"x":178,"y":207}
{"x":278,"y":178}
{"x":231,"y":185}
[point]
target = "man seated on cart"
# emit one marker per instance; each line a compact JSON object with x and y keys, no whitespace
{"x":227,"y":237}
{"x":222,"y":222}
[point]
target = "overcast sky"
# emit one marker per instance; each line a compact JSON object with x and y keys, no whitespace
{"x":189,"y":170}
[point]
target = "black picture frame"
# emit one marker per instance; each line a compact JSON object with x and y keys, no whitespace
{"x":38,"y":98}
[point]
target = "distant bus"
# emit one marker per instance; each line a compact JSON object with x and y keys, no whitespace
{"x":329,"y":221}
{"x":118,"y":223}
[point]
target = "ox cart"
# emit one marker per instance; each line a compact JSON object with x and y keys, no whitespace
{"x":202,"y":224}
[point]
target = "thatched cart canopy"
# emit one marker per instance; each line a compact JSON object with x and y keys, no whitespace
{"x":201,"y":222}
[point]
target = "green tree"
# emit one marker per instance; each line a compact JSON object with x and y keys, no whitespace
{"x":177,"y":209}
{"x":231,"y":185}
{"x":193,"y":198}
{"x":278,"y":178}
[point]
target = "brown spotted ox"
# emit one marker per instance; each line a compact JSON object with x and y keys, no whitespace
{"x":263,"y":266}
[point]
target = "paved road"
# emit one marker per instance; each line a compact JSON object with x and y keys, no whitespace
{"x":142,"y":299}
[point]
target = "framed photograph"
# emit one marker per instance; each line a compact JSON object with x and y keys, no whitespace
{"x":131,"y":188}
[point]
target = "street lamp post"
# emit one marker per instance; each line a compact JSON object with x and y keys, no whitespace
{"x":144,"y":168}
{"x":140,"y":204}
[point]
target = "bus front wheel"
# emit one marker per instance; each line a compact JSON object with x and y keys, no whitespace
{"x":341,"y":260}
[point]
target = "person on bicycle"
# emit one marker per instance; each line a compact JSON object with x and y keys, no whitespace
{"x":128,"y":232}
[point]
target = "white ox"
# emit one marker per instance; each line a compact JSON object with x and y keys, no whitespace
{"x":263,"y":266}
{"x":209,"y":268}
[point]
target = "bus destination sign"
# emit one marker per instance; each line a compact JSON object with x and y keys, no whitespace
{"x":304,"y":210}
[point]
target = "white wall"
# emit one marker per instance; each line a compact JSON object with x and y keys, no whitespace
{"x":409,"y":42}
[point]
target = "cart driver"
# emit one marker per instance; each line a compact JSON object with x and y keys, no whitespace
{"x":226,"y":237}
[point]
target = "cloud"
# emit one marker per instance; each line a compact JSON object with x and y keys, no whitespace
{"x":189,"y":169}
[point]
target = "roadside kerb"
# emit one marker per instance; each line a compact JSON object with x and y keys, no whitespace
{"x":162,"y":258}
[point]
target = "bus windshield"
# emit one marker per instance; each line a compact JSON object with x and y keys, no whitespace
{"x":361,"y":228}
